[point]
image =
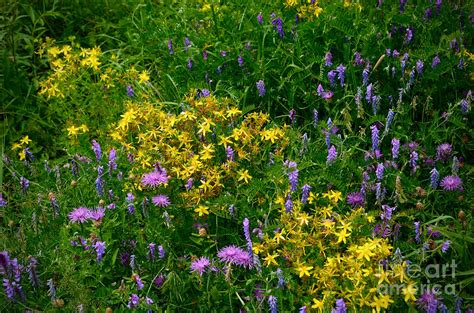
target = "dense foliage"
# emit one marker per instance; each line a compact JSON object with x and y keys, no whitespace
{"x":311,"y":156}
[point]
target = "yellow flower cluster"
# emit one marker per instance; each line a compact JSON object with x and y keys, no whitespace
{"x":333,"y":255}
{"x":194,"y":144}
{"x":308,"y":11}
{"x":73,"y":131}
{"x":22,"y":144}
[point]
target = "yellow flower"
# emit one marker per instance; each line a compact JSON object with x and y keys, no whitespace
{"x":244,"y":175}
{"x":270,"y":259}
{"x":318,"y":304}
{"x":73,"y":130}
{"x":16,"y":146}
{"x":303,"y":270}
{"x":365,"y":251}
{"x":84,"y":128}
{"x":341,"y":236}
{"x":22,"y":155}
{"x":233,"y":112}
{"x":202,"y":210}
{"x":381,"y":302}
{"x":25,"y":140}
{"x":144,"y":77}
{"x":409,"y":292}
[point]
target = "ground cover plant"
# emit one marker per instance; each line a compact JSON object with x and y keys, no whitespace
{"x":217,"y":156}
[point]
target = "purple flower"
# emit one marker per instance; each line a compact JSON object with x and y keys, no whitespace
{"x":445,"y":246}
{"x":161,"y":201}
{"x":51,"y":289}
{"x":428,"y":13}
{"x":402,"y":5}
{"x":340,"y":306}
{"x":451,"y":182}
{"x":305,"y":193}
{"x":341,"y":69}
{"x":189,"y":184}
{"x":159,"y":280}
{"x":395,"y":148}
{"x":323,"y":94}
{"x":464,"y":104}
{"x":293,"y":178}
{"x":97,"y":214}
{"x":434,"y":178}
{"x":248,"y":239}
{"x":151,"y":248}
{"x":358,"y":59}
{"x":96,"y":149}
{"x":190,"y":64}
{"x":278,"y":25}
{"x":409,"y":35}
{"x":328,"y":59}
{"x":33,"y":275}
{"x":24,"y":183}
{"x":170,"y":46}
{"x":355,"y":199}
{"x":281,"y":279}
{"x":375,"y":137}
{"x":235,"y":255}
{"x":3,"y":202}
{"x":413,"y":160}
{"x":443,"y":152}
{"x":369,"y":93}
{"x":288,"y":204}
{"x":429,"y":301}
{"x":315,"y":118}
{"x":112,"y":160}
{"x":161,"y":252}
{"x":417,"y":231}
{"x":436,"y":61}
{"x":204,"y":55}
{"x":332,"y":77}
{"x":187,"y":43}
{"x":419,"y":67}
{"x":99,"y":247}
{"x":138,"y":281}
{"x":133,"y":301}
{"x":240,"y":60}
{"x":261,"y":88}
{"x":365,"y":75}
{"x":379,"y":171}
{"x":79,"y":215}
{"x":260,"y":18}
{"x":200,"y":265}
{"x":454,"y":45}
{"x":154,"y":179}
{"x":386,"y":214}
{"x":292,"y":116}
{"x":229,"y":153}
{"x":272,"y":304}
{"x":390,"y":117}
{"x":332,"y":154}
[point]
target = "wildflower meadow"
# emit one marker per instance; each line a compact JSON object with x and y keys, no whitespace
{"x":237,"y":156}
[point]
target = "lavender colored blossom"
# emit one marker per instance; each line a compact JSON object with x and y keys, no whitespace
{"x":365,"y":75}
{"x":292,"y":116}
{"x":138,"y":281}
{"x":434,"y":178}
{"x":332,"y":154}
{"x":248,"y":239}
{"x":340,"y":307}
{"x":161,"y":252}
{"x":97,"y":214}
{"x":328,"y":59}
{"x":133,"y":301}
{"x":378,"y":192}
{"x":154,"y":179}
{"x":390,"y":117}
{"x":305,"y":193}
{"x":358,"y":59}
{"x":229,"y":153}
{"x":278,"y":25}
{"x":386,"y":214}
{"x":324,"y":94}
{"x":189,"y":184}
{"x":281,"y":279}
{"x":3,"y":202}
{"x":99,"y":182}
{"x":293,"y":178}
{"x":443,"y":151}
{"x":112,"y":160}
{"x":232,"y":210}
{"x":428,"y":13}
{"x":161,"y":201}
{"x":413,"y":160}
{"x":151,"y":251}
{"x":187,"y":44}
{"x":97,"y":150}
{"x":375,"y":137}
{"x":451,"y":182}
{"x":429,"y":301}
{"x":341,"y":69}
{"x":170,"y":46}
{"x":395,"y":148}
{"x":417,"y":232}
{"x":464,"y":104}
{"x":199,"y":266}
{"x":369,"y":93}
{"x":332,"y":77}
{"x":379,"y":171}
{"x":273,"y":304}
{"x":402,"y":5}
{"x":261,"y":88}
{"x":235,"y":255}
{"x":79,"y":215}
{"x":445,"y":246}
{"x":204,"y":55}
{"x":130,"y":91}
{"x":315,"y":118}
{"x":99,"y":247}
{"x":51,"y":289}
{"x":419,"y":67}
{"x":32,"y":273}
{"x":288,"y":205}
{"x":240,"y":60}
{"x":355,"y":199}
{"x":409,"y":35}
{"x":436,"y":61}
{"x":260,"y":18}
{"x":24,"y":183}
{"x":454,"y":45}
{"x":190,"y":64}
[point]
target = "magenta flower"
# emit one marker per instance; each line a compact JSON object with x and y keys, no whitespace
{"x":451,"y":182}
{"x":154,"y":179}
{"x":235,"y":255}
{"x":98,"y":214}
{"x":161,"y":201}
{"x":200,"y":265}
{"x":79,"y":215}
{"x":355,"y":199}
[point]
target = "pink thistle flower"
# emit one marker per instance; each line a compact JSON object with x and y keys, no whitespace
{"x":200,"y":265}
{"x":235,"y":255}
{"x":451,"y":182}
{"x":154,"y":179}
{"x":79,"y":215}
{"x":161,"y":201}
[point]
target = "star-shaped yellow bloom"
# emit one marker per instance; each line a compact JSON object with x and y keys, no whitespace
{"x":270,"y":259}
{"x":409,"y":292}
{"x":25,"y":140}
{"x":202,"y":210}
{"x":303,"y":270}
{"x":144,"y":77}
{"x":244,"y":175}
